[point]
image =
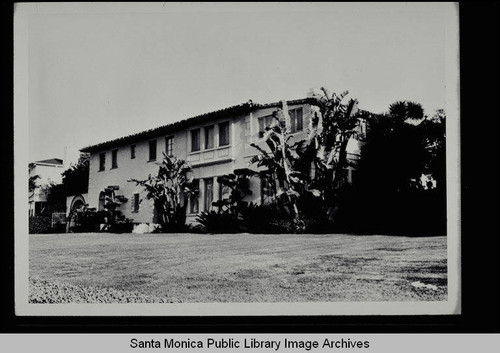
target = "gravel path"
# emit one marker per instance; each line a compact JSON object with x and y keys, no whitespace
{"x":42,"y":291}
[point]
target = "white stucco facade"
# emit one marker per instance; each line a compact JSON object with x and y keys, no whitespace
{"x":49,"y":172}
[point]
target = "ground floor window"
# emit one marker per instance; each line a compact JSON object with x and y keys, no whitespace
{"x":136,"y":202}
{"x":267,"y":190}
{"x":209,"y":193}
{"x":193,"y":201}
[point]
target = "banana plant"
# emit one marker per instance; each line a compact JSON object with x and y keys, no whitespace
{"x":166,"y":190}
{"x":332,"y":124}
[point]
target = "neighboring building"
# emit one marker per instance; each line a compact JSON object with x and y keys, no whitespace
{"x":214,"y":144}
{"x":49,"y":171}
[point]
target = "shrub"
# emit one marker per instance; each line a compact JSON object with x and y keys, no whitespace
{"x":39,"y":225}
{"x":85,"y":219}
{"x":266,"y":219}
{"x":214,"y":222}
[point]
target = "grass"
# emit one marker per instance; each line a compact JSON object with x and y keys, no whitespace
{"x":246,"y":267}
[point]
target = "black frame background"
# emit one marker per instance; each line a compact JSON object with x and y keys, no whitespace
{"x":479,"y":94}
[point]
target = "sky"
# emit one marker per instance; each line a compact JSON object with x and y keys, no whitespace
{"x":101,"y":72}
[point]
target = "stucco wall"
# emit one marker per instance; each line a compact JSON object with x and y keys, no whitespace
{"x":138,"y":168}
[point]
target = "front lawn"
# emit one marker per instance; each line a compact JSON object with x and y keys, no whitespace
{"x":245,"y":267}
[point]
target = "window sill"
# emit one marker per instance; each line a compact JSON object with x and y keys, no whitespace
{"x":209,"y":149}
{"x":101,"y":170}
{"x":261,"y":139}
{"x":152,"y":160}
{"x":114,"y":168}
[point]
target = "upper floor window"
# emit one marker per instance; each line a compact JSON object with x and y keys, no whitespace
{"x":209,"y":137}
{"x":169,"y":146}
{"x":132,"y":151}
{"x":152,"y":150}
{"x":195,"y":140}
{"x":102,"y":161}
{"x":224,"y":134}
{"x":264,"y":122}
{"x":114,"y":159}
{"x":296,"y":120}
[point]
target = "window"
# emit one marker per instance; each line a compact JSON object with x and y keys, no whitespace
{"x":136,"y":203}
{"x":193,"y":201}
{"x":267,"y":190}
{"x":224,"y":134}
{"x":209,"y":137}
{"x":195,"y":140}
{"x":152,"y":150}
{"x":296,"y":120}
{"x":169,"y":146}
{"x":224,"y":192}
{"x":102,"y":161}
{"x":209,"y":193}
{"x":132,"y":151}
{"x":114,"y":159}
{"x":264,"y":122}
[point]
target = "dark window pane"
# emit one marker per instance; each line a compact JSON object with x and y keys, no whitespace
{"x":132,"y":151}
{"x":114,"y":159}
{"x":195,"y":140}
{"x":136,"y":203}
{"x":209,"y":137}
{"x":224,"y":134}
{"x":152,"y":150}
{"x":102,"y":161}
{"x":261,"y":127}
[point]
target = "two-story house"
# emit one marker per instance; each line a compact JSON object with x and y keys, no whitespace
{"x":214,"y":144}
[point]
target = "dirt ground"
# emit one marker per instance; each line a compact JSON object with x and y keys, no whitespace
{"x":207,"y":268}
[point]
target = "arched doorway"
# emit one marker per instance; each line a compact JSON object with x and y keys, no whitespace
{"x":77,"y":202}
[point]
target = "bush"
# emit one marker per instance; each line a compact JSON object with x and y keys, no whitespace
{"x":39,"y":225}
{"x":265,"y":219}
{"x":223,"y":222}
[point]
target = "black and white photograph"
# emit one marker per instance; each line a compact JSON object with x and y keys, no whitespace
{"x":177,"y":159}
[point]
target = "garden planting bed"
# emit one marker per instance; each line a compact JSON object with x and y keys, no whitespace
{"x":166,"y":268}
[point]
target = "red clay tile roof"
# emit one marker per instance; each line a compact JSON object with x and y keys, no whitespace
{"x":182,"y":124}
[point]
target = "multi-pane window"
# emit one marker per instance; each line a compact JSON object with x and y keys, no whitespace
{"x":209,"y":193}
{"x":132,"y":151}
{"x":114,"y":159}
{"x":152,"y":150}
{"x":193,"y":201}
{"x":264,"y":122}
{"x":296,"y":120}
{"x":224,"y":134}
{"x":102,"y":161}
{"x":169,"y":146}
{"x":135,"y":204}
{"x":195,"y":140}
{"x":209,"y":137}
